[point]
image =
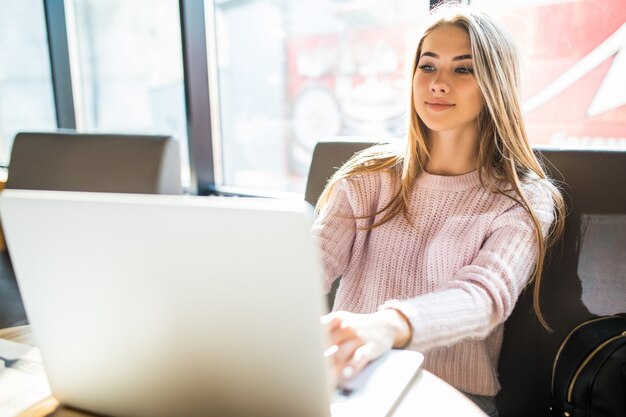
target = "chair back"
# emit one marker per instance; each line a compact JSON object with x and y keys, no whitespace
{"x":584,"y":275}
{"x":121,"y":163}
{"x":329,"y":155}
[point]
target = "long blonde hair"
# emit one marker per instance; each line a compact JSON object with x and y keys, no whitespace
{"x":504,"y":154}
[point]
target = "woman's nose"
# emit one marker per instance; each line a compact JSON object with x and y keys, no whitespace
{"x":439,"y":86}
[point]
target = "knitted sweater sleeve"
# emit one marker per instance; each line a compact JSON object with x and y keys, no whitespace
{"x":483,"y":293}
{"x":335,"y":229}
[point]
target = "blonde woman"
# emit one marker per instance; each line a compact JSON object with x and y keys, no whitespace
{"x":436,"y":239}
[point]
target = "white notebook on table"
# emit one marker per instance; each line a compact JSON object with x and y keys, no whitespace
{"x":379,"y":389}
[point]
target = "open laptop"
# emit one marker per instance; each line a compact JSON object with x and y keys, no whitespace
{"x":148,"y":305}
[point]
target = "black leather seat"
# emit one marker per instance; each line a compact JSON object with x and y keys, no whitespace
{"x":585,"y":276}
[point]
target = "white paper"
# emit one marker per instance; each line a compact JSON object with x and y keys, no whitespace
{"x":21,"y":386}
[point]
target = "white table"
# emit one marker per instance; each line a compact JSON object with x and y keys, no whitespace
{"x":428,"y":395}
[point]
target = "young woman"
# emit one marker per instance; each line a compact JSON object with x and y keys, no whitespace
{"x":435,"y":239}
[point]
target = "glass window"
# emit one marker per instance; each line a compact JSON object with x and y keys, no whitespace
{"x":26,"y":98}
{"x":575,"y":61}
{"x":291,"y":72}
{"x":130,"y":73}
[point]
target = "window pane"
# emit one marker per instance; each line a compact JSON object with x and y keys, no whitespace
{"x":291,"y":72}
{"x":26,"y":99}
{"x":575,"y":61}
{"x":130,"y":69}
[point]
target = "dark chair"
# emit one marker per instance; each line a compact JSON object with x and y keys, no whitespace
{"x":64,"y":161}
{"x":584,"y":276}
{"x":95,"y":162}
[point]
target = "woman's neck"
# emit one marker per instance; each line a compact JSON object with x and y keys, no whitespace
{"x":453,"y":152}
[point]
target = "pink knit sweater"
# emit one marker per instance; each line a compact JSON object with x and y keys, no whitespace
{"x":456,"y":272}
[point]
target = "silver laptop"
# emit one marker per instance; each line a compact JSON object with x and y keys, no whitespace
{"x":147,"y":305}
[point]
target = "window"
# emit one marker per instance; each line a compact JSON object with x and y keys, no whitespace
{"x":26,"y":99}
{"x":291,"y":72}
{"x":575,"y":61}
{"x":130,"y":74}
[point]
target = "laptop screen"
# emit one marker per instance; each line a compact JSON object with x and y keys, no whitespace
{"x":150,"y":305}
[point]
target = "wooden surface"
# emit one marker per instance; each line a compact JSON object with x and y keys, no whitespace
{"x":18,"y":334}
{"x":428,"y":395}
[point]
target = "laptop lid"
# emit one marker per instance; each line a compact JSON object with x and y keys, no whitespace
{"x":172,"y":305}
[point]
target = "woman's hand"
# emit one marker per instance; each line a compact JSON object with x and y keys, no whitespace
{"x":357,"y":339}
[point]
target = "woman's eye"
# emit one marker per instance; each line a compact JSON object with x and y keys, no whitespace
{"x":426,"y":68}
{"x":465,"y":70}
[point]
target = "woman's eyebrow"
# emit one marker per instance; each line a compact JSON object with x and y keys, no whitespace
{"x":456,"y":58}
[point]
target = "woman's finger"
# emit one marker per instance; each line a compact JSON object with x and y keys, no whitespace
{"x":331,"y":321}
{"x":345,"y":351}
{"x":341,"y":334}
{"x":362,"y":356}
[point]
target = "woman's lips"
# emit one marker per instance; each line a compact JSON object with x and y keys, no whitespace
{"x":437,"y":107}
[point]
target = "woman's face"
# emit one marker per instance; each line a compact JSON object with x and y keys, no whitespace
{"x":445,"y":92}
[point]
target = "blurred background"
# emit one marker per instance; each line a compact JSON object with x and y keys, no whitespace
{"x":281,"y":74}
